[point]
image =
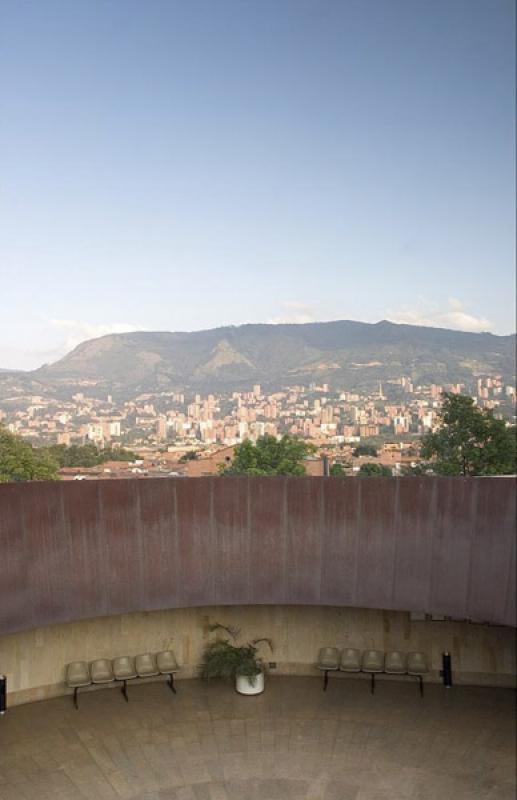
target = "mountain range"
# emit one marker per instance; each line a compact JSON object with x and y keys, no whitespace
{"x":345,"y":354}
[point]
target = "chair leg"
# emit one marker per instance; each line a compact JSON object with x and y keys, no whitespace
{"x":123,"y":689}
{"x":76,"y":704}
{"x":421,"y":686}
{"x":171,"y":683}
{"x":372,"y":686}
{"x":325,"y":680}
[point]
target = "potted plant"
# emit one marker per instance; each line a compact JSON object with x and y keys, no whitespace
{"x":224,"y":658}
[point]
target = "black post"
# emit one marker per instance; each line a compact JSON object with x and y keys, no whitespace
{"x":372,"y":687}
{"x":446,"y":672}
{"x":171,"y":683}
{"x":325,"y":679}
{"x":3,"y":694}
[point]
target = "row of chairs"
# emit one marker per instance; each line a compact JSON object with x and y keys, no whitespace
{"x":395,"y":662}
{"x":124,"y":668}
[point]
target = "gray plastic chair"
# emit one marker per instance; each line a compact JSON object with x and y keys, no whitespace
{"x":77,"y":675}
{"x":124,"y":670}
{"x":101,"y":671}
{"x":395,"y":663}
{"x":145,"y":665}
{"x":373,"y":662}
{"x":350,"y":660}
{"x":328,"y":661}
{"x":417,"y":665}
{"x":167,"y":665}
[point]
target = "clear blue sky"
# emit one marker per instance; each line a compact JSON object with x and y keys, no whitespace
{"x":183,"y":165}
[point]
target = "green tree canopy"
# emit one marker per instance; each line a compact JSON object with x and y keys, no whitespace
{"x":469,"y":441}
{"x":87,"y":455}
{"x":415,"y":471}
{"x":337,"y":469}
{"x":19,"y":461}
{"x":190,"y":455}
{"x":76,"y":455}
{"x":116,"y":454}
{"x":369,"y":469}
{"x":365,"y":450}
{"x":269,"y":456}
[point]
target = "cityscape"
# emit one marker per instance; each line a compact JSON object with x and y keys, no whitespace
{"x":175,"y":433}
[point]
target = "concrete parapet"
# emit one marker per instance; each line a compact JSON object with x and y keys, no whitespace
{"x":79,"y":550}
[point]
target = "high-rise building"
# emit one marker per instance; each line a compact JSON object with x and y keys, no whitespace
{"x":161,"y":429}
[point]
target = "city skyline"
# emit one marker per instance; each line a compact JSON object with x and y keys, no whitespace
{"x":173,"y":166}
{"x":396,"y":410}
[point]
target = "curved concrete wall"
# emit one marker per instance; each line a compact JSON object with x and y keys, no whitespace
{"x":79,"y":550}
{"x":34,"y":661}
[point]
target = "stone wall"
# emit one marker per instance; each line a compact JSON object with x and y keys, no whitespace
{"x":34,"y":660}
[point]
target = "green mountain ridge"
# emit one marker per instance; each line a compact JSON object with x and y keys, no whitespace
{"x":347,"y":354}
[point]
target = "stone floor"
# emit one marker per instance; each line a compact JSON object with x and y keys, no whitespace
{"x":292,"y":743}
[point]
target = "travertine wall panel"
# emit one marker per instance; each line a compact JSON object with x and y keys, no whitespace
{"x":34,"y":660}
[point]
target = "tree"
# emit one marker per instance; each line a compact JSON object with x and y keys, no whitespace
{"x":365,"y":450}
{"x":190,"y":455}
{"x":269,"y":457}
{"x":416,"y":470}
{"x":87,"y":455}
{"x":469,"y":441}
{"x":116,"y":454}
{"x":367,"y":470}
{"x":19,"y":461}
{"x":337,"y":469}
{"x":76,"y":455}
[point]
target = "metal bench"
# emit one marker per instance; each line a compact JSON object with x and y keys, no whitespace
{"x":79,"y":674}
{"x":372,"y":662}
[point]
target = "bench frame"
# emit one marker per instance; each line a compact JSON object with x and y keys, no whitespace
{"x":123,"y":688}
{"x":372,"y":675}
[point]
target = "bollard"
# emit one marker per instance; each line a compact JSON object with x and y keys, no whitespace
{"x":3,"y":694}
{"x":446,"y":672}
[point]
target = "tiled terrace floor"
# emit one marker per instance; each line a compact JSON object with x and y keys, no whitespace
{"x":292,"y":743}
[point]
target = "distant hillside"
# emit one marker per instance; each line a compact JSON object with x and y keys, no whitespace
{"x":351,"y":354}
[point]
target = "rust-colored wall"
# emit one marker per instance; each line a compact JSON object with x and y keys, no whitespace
{"x":78,"y":550}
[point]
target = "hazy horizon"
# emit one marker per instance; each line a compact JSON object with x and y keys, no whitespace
{"x":174,"y":166}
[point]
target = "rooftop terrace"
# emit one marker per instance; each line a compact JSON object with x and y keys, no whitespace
{"x":294,"y":742}
{"x":337,"y":560}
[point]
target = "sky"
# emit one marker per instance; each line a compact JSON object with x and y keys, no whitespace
{"x":171,"y":165}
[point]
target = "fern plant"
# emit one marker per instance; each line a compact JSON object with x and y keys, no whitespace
{"x":224,"y":658}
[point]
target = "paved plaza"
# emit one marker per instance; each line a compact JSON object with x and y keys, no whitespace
{"x":294,"y":742}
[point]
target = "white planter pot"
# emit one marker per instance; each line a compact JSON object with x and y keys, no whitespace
{"x":244,"y":686}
